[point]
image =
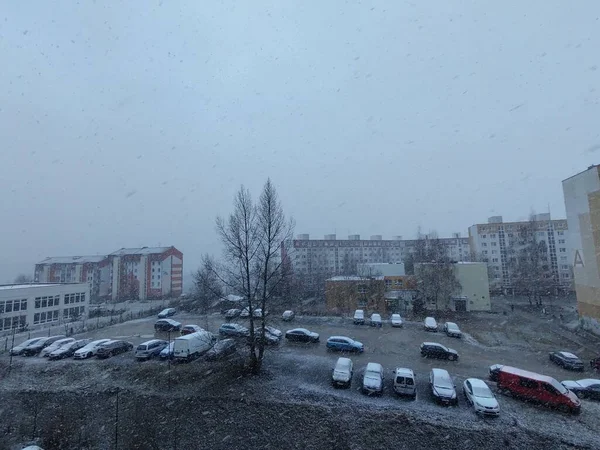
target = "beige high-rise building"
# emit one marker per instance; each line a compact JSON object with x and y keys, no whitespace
{"x":582,"y":203}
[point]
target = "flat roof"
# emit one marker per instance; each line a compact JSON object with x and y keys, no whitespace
{"x":5,"y":287}
{"x":73,"y":259}
{"x":526,"y":373}
{"x":593,"y":166}
{"x":141,"y":251}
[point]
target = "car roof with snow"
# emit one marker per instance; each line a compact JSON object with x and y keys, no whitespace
{"x":374,"y":367}
{"x":396,"y":316}
{"x":403,"y":371}
{"x":586,"y":382}
{"x":303,"y":330}
{"x":343,"y":363}
{"x":476,"y":382}
{"x":432,"y":343}
{"x":429,"y":320}
{"x":451,"y":325}
{"x":341,"y":337}
{"x":442,"y":378}
{"x":568,"y":355}
{"x":169,"y":321}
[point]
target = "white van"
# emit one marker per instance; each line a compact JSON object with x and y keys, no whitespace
{"x":405,"y":382}
{"x":359,"y":317}
{"x":192,"y":345}
{"x":342,"y":372}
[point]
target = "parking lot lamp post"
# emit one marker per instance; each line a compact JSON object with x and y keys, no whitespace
{"x":169,"y":357}
{"x":12,"y":346}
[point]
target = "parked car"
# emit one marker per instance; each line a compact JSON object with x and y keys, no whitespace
{"x":166,"y":325}
{"x":537,"y":388}
{"x":258,"y":312}
{"x":35,"y":348}
{"x":55,"y":346}
{"x":274,"y":331}
{"x":301,"y":335}
{"x":567,"y":360}
{"x":396,"y":320}
{"x":221,"y":349}
{"x":232,"y":313}
{"x":167,"y":352}
{"x":341,"y":374}
{"x":233,"y":329}
{"x":595,"y":364}
{"x":167,"y":312}
{"x":18,"y":349}
{"x":373,"y":379}
{"x":405,"y":382}
{"x":90,"y":349}
{"x":189,"y":329}
{"x":479,"y":395}
{"x":245,"y":312}
{"x":344,"y":344}
{"x":442,"y":387}
{"x":359,"y":317}
{"x":435,"y":350}
{"x":68,"y":350}
{"x":452,"y":330}
{"x":376,"y":320}
{"x":270,"y":339}
{"x":586,"y":388}
{"x":150,"y":349}
{"x":113,"y":348}
{"x":191,"y":346}
{"x":494,"y":369}
{"x":288,"y":316}
{"x":430,"y":324}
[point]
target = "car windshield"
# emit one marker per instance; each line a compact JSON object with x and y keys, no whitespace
{"x":482,"y":392}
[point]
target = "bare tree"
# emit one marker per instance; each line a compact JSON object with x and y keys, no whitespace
{"x":529,"y":264}
{"x":208,"y":288}
{"x":23,"y":279}
{"x":252,"y":237}
{"x":434,"y":269}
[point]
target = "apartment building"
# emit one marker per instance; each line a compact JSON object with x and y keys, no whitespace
{"x":582,"y":203}
{"x":37,"y":304}
{"x":128,"y":273}
{"x":492,"y":243}
{"x":342,"y":256}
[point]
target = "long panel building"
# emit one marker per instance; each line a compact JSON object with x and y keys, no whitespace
{"x":341,"y":256}
{"x":128,"y":273}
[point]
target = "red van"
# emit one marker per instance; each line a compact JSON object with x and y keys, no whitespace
{"x":537,"y":388}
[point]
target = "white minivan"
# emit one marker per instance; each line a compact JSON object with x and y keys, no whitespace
{"x":342,"y":372}
{"x":359,"y":317}
{"x":192,"y":345}
{"x":405,"y":382}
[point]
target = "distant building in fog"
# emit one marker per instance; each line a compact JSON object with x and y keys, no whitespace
{"x":129,"y":273}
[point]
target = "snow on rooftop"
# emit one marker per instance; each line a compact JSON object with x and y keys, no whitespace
{"x":73,"y":259}
{"x":26,"y":286}
{"x":140,"y":251}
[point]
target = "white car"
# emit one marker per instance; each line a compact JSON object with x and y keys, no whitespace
{"x":274,"y":331}
{"x":55,"y":346}
{"x":405,"y":382}
{"x":481,"y":397}
{"x":396,"y":320}
{"x":342,"y":372}
{"x":430,"y":324}
{"x":90,"y":349}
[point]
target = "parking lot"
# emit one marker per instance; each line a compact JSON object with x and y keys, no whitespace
{"x":301,"y":372}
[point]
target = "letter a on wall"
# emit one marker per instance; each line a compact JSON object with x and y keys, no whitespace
{"x":578,"y":260}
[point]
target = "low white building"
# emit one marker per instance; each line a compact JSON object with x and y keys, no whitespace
{"x":36,"y":304}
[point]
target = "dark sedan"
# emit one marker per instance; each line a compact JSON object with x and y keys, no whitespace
{"x":68,"y":350}
{"x":167,"y":325}
{"x":113,"y":348}
{"x":38,"y":346}
{"x":221,"y":349}
{"x":567,"y":360}
{"x":301,"y":335}
{"x":587,"y":388}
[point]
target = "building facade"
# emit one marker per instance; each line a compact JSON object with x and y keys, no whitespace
{"x":582,"y":203}
{"x":493,"y":242}
{"x":380,"y":294}
{"x":37,"y":304}
{"x":342,"y":256}
{"x":127,"y":274}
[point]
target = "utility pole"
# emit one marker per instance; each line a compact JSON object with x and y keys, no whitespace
{"x":12,"y":346}
{"x":117,"y":421}
{"x":169,"y":358}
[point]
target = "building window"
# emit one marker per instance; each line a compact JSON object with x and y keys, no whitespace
{"x":493,"y":252}
{"x":484,"y":244}
{"x":484,"y":236}
{"x":561,"y":233}
{"x":563,"y":258}
{"x":493,"y":244}
{"x":492,"y":235}
{"x":561,"y":241}
{"x":562,"y":250}
{"x":495,"y":260}
{"x":485,"y":252}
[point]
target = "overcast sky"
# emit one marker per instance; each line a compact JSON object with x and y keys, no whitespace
{"x":133,"y":123}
